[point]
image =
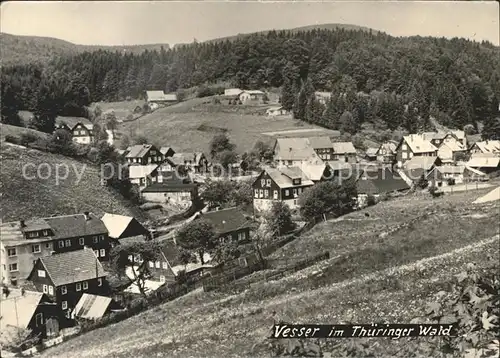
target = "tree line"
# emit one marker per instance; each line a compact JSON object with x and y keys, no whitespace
{"x":392,"y":82}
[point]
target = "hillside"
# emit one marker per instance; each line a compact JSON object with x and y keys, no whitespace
{"x":81,"y":189}
{"x":369,"y":278}
{"x":18,"y":49}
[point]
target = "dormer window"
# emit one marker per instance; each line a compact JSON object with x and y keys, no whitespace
{"x":33,"y":234}
{"x":296,"y":181}
{"x":45,"y":232}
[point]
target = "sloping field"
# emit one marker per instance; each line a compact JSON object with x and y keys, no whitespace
{"x":23,"y":197}
{"x":416,"y":264}
{"x":185,"y":127}
{"x":6,"y":130}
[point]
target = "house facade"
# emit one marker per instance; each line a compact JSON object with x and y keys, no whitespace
{"x":282,"y":184}
{"x":65,"y":277}
{"x":144,"y":154}
{"x":293,"y":151}
{"x":446,"y":175}
{"x":83,"y":133}
{"x":143,"y":175}
{"x":344,"y":151}
{"x":276,"y":111}
{"x":195,"y":162}
{"x":486,"y":147}
{"x":25,"y":241}
{"x":160,"y":97}
{"x":174,"y":192}
{"x":386,"y":153}
{"x":252,"y":97}
{"x":451,"y":149}
{"x":414,"y":145}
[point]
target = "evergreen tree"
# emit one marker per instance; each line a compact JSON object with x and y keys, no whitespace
{"x":9,"y":103}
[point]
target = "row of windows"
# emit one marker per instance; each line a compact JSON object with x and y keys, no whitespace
{"x":35,"y":248}
{"x":64,"y":289}
{"x":159,"y":264}
{"x":265,"y":182}
{"x":100,"y":253}
{"x":264,"y":193}
{"x":83,"y":132}
{"x":33,"y":234}
{"x":81,"y":241}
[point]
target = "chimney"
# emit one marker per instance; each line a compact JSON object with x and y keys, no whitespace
{"x":87,"y":215}
{"x":290,"y":149}
{"x":22,"y":291}
{"x":22,"y":223}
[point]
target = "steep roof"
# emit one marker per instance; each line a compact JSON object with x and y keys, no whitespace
{"x":72,"y":121}
{"x":343,"y":148}
{"x":455,"y":146}
{"x":380,"y":181}
{"x":120,"y":226}
{"x":489,"y":146}
{"x":418,"y":144}
{"x":314,"y":171}
{"x":141,"y":171}
{"x":17,"y":309}
{"x":181,"y":158}
{"x":319,"y":142}
{"x":171,"y":252}
{"x":92,"y":306}
{"x":282,"y":176}
{"x":226,"y":220}
{"x":294,"y":149}
{"x":421,"y":162}
{"x":73,"y":266}
{"x":138,"y":151}
{"x":389,"y":147}
{"x":371,"y":152}
{"x":165,"y":150}
{"x":68,"y":226}
{"x":483,"y":161}
{"x":433,"y":135}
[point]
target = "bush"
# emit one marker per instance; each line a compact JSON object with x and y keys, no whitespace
{"x":12,"y":139}
{"x":370,"y":200}
{"x":27,"y":138}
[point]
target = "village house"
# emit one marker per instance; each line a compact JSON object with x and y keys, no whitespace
{"x":143,"y":175}
{"x":167,"y":152}
{"x":418,"y":166}
{"x":24,"y":241}
{"x":344,"y":151}
{"x":160,"y":97}
{"x":23,"y":309}
{"x":371,"y":154}
{"x":195,"y":162}
{"x":230,"y":225}
{"x":83,"y":133}
{"x":93,"y":307}
{"x":172,"y":191}
{"x":276,"y":111}
{"x":386,"y":153}
{"x":121,"y":227}
{"x":451,"y":149}
{"x":283,"y":184}
{"x":65,"y":277}
{"x":378,"y":182}
{"x":485,"y":147}
{"x":317,"y":170}
{"x":234,"y":92}
{"x":414,"y":145}
{"x":144,"y":154}
{"x":322,"y":97}
{"x":323,"y":147}
{"x":252,"y":97}
{"x":486,"y":163}
{"x":454,"y":174}
{"x":293,"y":151}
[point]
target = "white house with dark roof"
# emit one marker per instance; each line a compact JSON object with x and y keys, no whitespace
{"x":24,"y":241}
{"x":143,"y":175}
{"x":83,"y":133}
{"x":144,"y":154}
{"x":279,"y":184}
{"x":344,"y":151}
{"x":293,"y":151}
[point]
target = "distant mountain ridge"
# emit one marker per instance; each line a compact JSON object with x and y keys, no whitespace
{"x":18,"y":49}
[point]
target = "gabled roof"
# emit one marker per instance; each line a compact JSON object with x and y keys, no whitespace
{"x":343,"y":148}
{"x":483,"y":162}
{"x":380,"y":181}
{"x":141,"y":171}
{"x":389,"y":147}
{"x":72,"y":266}
{"x":254,"y":92}
{"x":371,"y":152}
{"x":455,"y":146}
{"x":419,"y":145}
{"x":138,"y":151}
{"x":320,"y":142}
{"x":182,"y":158}
{"x":232,"y":91}
{"x":432,"y":135}
{"x":420,"y":162}
{"x":281,"y":176}
{"x":226,"y":220}
{"x":17,"y":309}
{"x":120,"y":226}
{"x":294,"y":149}
{"x":92,"y":306}
{"x":68,"y":226}
{"x":489,"y":146}
{"x":171,"y":252}
{"x":88,"y":126}
{"x":71,"y":122}
{"x":160,"y":96}
{"x":314,"y":170}
{"x":458,"y":133}
{"x":165,"y":150}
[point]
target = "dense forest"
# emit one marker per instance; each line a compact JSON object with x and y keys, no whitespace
{"x":373,"y":77}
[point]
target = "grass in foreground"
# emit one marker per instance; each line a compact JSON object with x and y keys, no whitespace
{"x":357,"y":289}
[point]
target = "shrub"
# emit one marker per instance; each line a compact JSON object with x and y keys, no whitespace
{"x":27,"y":138}
{"x":12,"y":139}
{"x":370,"y":200}
{"x":422,"y":182}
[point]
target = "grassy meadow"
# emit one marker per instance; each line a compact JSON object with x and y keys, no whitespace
{"x":377,"y":278}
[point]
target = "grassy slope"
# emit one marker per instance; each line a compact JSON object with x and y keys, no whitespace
{"x":6,"y":130}
{"x":23,"y":198}
{"x":216,"y":325}
{"x":177,"y":126}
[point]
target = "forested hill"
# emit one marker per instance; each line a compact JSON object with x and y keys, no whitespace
{"x":30,"y":49}
{"x":374,"y":77}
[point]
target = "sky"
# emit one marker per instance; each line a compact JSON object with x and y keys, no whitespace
{"x":149,"y":22}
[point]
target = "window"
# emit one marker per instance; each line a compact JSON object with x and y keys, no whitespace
{"x":36,"y":249}
{"x":103,"y":252}
{"x":48,"y":245}
{"x":157,"y":264}
{"x":81,"y":241}
{"x":256,"y":193}
{"x":263,"y":182}
{"x":261,"y":193}
{"x":33,"y":234}
{"x":275,"y":194}
{"x":403,"y":155}
{"x":95,"y":239}
{"x":45,"y":232}
{"x":151,"y":264}
{"x":96,"y":252}
{"x":11,"y":252}
{"x":268,"y":182}
{"x":39,"y":319}
{"x":78,"y":286}
{"x":85,"y":285}
{"x":64,"y":305}
{"x":41,"y":273}
{"x":266,"y":193}
{"x":45,"y":289}
{"x":295,"y":192}
{"x":61,"y":244}
{"x":13,"y":267}
{"x":165,"y":265}
{"x":290,"y":162}
{"x":403,"y":146}
{"x":101,"y":237}
{"x":162,"y":278}
{"x":64,"y":290}
{"x":99,"y":282}
{"x":51,"y":290}
{"x":287,"y":192}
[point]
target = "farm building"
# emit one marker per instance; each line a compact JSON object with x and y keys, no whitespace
{"x":456,"y":174}
{"x":160,"y":97}
{"x":344,"y":151}
{"x":121,"y":227}
{"x":232,"y":92}
{"x":174,"y":192}
{"x":487,"y":163}
{"x":276,"y":111}
{"x":252,"y":97}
